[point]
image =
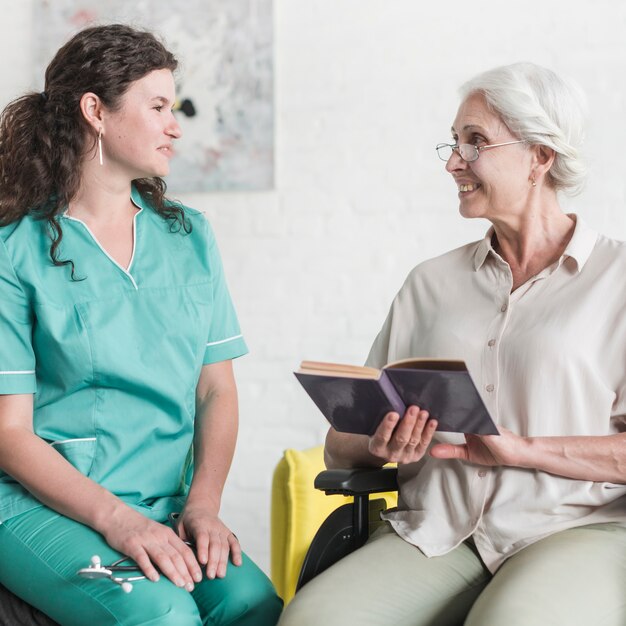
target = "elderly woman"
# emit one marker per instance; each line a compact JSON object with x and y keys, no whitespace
{"x":528,"y":527}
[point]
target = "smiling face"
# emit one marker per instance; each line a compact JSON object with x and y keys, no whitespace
{"x":138,"y":137}
{"x":498,"y":182}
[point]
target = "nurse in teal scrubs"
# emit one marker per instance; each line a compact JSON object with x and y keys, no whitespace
{"x":118,"y":404}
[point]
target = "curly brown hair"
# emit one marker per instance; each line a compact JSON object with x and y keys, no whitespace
{"x":44,"y":137}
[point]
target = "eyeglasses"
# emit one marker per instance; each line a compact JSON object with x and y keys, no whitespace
{"x":467,"y":151}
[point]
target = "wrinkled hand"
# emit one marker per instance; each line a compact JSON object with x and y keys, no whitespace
{"x":214,"y":542}
{"x":491,"y":450}
{"x":152,"y":545}
{"x":403,"y":440}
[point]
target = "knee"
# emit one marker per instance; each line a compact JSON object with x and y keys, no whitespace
{"x":248,"y":599}
{"x":257,"y":609}
{"x":169,"y":606}
{"x":180,"y":613}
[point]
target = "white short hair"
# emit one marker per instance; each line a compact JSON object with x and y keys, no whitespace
{"x":543,"y":109}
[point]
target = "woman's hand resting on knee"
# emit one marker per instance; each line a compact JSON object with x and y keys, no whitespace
{"x":213,"y":540}
{"x":403,"y":440}
{"x":152,"y":546}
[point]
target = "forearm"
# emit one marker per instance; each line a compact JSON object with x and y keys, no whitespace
{"x":344,"y":450}
{"x":598,"y":459}
{"x":214,"y":445}
{"x":53,"y":480}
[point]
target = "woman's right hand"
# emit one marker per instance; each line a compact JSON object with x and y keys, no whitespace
{"x":403,"y":440}
{"x":153,"y":545}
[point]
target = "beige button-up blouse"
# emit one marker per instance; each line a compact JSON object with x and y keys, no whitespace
{"x":549,"y":359}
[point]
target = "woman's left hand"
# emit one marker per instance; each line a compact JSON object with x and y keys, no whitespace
{"x":492,"y":450}
{"x":214,"y":542}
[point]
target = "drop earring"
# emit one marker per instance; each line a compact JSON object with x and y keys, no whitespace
{"x":100,"y":147}
{"x":532,"y":182}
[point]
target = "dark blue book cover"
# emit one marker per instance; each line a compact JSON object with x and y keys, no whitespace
{"x":352,"y":405}
{"x":355,"y":400}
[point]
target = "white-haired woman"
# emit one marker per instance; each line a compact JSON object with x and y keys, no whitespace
{"x":528,"y":527}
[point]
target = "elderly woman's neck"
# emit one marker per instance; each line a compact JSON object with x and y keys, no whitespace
{"x":533,"y":240}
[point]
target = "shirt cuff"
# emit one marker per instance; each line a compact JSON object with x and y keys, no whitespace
{"x":224,"y":349}
{"x":20,"y":381}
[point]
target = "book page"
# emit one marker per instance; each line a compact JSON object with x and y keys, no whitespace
{"x":338,"y":369}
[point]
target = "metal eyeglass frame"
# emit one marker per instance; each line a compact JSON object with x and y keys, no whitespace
{"x":465,"y":147}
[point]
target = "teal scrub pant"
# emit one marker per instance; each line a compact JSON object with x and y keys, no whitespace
{"x":41,"y":551}
{"x":576,"y":577}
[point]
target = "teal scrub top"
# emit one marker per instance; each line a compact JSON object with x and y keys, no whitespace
{"x":114,"y":359}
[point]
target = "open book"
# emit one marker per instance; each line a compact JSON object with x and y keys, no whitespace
{"x":355,"y":399}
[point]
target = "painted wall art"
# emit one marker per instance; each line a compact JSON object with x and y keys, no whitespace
{"x":225,"y":81}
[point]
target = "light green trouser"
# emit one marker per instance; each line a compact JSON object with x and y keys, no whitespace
{"x":572,"y":578}
{"x":41,"y":551}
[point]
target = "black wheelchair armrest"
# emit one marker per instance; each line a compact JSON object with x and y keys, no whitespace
{"x":351,"y":482}
{"x":347,"y":527}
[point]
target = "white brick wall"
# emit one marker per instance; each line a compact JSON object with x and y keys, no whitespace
{"x":364,"y":90}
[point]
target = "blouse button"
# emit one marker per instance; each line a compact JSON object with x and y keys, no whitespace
{"x":504,"y":307}
{"x":491,"y":343}
{"x":489,"y":387}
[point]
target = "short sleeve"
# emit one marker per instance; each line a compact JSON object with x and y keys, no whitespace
{"x":225,"y":340}
{"x":17,"y":359}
